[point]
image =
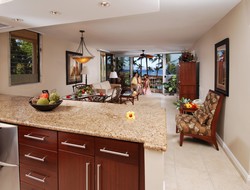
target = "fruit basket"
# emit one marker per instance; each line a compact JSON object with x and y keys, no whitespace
{"x":45,"y":107}
{"x":46,"y":101}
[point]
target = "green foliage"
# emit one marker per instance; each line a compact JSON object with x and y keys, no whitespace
{"x":171,"y":85}
{"x":181,"y":101}
{"x":21,"y":56}
{"x":171,"y":68}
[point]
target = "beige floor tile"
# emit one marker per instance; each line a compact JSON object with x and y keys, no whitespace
{"x":227,"y":182}
{"x":191,"y":179}
{"x":196,"y":165}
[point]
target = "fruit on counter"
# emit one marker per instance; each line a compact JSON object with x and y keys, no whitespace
{"x":44,"y":95}
{"x":43,"y":101}
{"x":52,"y":102}
{"x":54,"y":97}
{"x":34,"y":100}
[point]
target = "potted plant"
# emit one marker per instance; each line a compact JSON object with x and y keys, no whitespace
{"x":171,"y":85}
{"x":186,"y":57}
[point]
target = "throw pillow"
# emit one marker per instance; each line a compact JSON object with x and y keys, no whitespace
{"x":201,"y":116}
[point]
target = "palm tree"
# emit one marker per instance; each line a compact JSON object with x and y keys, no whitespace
{"x":139,"y":65}
{"x":159,"y":65}
{"x":157,"y":68}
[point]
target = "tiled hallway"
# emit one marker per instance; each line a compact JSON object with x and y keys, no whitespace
{"x":196,"y":165}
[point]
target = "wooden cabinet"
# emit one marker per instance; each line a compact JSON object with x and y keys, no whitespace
{"x":51,"y":160}
{"x":117,"y":165}
{"x":76,"y":161}
{"x":188,"y":80}
{"x":38,"y":158}
{"x":92,"y":163}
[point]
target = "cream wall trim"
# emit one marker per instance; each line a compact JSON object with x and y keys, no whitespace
{"x":234,"y":160}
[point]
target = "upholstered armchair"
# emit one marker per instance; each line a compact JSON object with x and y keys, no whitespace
{"x":202,"y":123}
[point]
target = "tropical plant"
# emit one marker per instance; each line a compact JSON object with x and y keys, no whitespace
{"x":171,"y":85}
{"x":186,"y":57}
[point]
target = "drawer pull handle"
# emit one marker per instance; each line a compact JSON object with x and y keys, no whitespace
{"x":87,"y":176}
{"x":114,"y":152}
{"x":34,"y":157}
{"x":74,"y":145}
{"x":29,"y":175}
{"x":29,"y":136}
{"x":98,"y":177}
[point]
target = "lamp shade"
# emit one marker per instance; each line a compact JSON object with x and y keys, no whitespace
{"x":83,"y":50}
{"x":85,"y":70}
{"x":113,"y":75}
{"x":82,"y":59}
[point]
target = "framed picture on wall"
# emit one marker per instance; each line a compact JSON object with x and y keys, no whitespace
{"x":222,"y":67}
{"x":73,"y":69}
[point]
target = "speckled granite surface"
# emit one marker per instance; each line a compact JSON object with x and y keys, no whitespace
{"x":90,"y":118}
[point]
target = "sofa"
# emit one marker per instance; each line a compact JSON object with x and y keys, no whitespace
{"x":105,"y":87}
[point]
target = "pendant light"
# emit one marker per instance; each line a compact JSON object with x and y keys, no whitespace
{"x":82,"y":49}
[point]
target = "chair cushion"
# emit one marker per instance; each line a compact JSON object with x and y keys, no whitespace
{"x":96,"y":86}
{"x":201,"y":116}
{"x":188,"y":124}
{"x":105,"y":85}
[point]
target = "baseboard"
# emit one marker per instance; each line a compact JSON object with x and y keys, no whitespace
{"x":234,"y":160}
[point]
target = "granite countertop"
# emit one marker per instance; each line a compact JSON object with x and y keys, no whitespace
{"x":90,"y":118}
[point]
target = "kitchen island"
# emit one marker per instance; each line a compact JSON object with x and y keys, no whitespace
{"x":99,"y":120}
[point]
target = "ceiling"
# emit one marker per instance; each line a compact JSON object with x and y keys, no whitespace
{"x":156,"y":26}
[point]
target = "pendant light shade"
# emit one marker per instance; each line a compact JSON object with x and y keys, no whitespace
{"x":82,"y":49}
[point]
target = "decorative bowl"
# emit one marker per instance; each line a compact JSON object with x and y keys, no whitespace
{"x":45,"y":107}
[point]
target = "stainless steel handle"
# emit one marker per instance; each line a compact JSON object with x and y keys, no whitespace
{"x":34,"y":157}
{"x":114,"y":152}
{"x":74,"y":145}
{"x":3,"y":164}
{"x":87,"y":176}
{"x":35,"y":178}
{"x":98,"y":177}
{"x":29,"y":136}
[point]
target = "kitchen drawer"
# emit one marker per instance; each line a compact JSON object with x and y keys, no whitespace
{"x":39,"y":177}
{"x":38,"y":157}
{"x":76,"y":143}
{"x":118,"y":150}
{"x":40,"y":138}
{"x":26,"y":186}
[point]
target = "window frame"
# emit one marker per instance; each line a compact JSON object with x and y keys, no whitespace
{"x":34,"y":77}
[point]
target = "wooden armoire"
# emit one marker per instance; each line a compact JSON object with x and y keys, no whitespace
{"x":188,"y":80}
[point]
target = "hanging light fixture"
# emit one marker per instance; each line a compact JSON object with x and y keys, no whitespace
{"x":84,"y":58}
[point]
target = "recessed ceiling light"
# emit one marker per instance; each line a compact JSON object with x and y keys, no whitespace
{"x":17,"y":19}
{"x":55,"y":13}
{"x":5,"y":1}
{"x":104,"y":3}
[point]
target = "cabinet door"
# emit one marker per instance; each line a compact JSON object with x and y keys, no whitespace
{"x":116,"y":175}
{"x":76,"y":171}
{"x":187,"y":73}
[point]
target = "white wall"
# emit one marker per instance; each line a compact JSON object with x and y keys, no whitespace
{"x":234,"y":124}
{"x":53,"y":67}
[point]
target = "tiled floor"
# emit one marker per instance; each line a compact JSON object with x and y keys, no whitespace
{"x":196,"y":165}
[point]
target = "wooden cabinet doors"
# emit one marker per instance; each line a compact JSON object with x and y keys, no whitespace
{"x":76,"y":161}
{"x":188,"y":80}
{"x":114,"y":175}
{"x":76,"y":171}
